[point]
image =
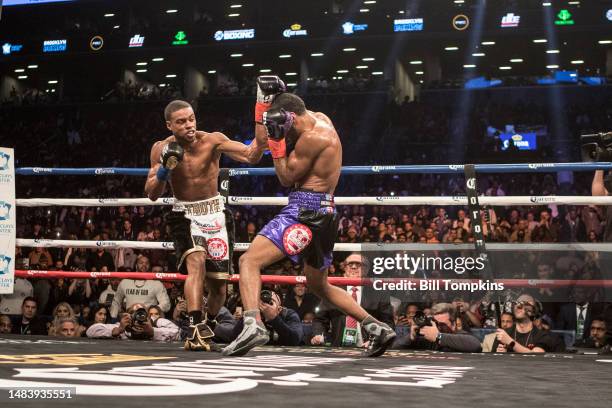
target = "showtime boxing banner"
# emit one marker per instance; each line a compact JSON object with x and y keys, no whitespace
{"x":7,"y":220}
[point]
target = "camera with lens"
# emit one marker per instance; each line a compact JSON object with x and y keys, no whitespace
{"x":140,"y":317}
{"x":266,"y":297}
{"x":596,"y":147}
{"x":422,"y":320}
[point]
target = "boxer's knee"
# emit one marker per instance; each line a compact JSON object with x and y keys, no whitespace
{"x":195,"y":264}
{"x":248,"y":261}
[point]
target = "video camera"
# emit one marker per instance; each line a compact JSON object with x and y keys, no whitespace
{"x":596,"y":147}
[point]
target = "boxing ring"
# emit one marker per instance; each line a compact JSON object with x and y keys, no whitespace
{"x":102,"y":373}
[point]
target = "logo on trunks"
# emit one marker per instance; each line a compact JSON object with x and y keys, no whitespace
{"x":456,"y":167}
{"x":209,"y":228}
{"x":377,"y":169}
{"x":534,"y":199}
{"x":104,"y":171}
{"x":234,"y":172}
{"x":296,"y":238}
{"x":535,"y":166}
{"x":217,"y":249}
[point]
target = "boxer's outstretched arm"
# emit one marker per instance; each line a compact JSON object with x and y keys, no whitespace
{"x":292,"y":169}
{"x":154,"y":187}
{"x":239,"y":151}
{"x":598,"y":187}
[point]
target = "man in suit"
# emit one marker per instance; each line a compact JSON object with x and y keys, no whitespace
{"x":343,"y":330}
{"x":578,"y":315}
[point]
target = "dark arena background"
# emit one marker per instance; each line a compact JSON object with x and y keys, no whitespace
{"x":456,"y":194}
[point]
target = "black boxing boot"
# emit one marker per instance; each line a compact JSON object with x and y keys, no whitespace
{"x":381,"y":336}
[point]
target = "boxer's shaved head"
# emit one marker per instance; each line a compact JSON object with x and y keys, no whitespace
{"x":175,"y":106}
{"x":290,"y":103}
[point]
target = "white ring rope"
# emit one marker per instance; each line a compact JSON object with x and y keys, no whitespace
{"x":342,"y":247}
{"x":388,"y":200}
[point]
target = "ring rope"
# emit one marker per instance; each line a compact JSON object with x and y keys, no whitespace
{"x":338,"y":247}
{"x":387,"y":200}
{"x":292,"y":280}
{"x":346,"y":170}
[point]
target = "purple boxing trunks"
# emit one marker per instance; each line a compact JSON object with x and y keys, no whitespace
{"x":305,"y":230}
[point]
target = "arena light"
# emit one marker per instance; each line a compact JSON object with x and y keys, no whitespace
{"x":469,"y":66}
{"x":540,"y":40}
{"x":547,"y":4}
{"x":574,"y":3}
{"x":142,"y":63}
{"x":364,"y":10}
{"x":162,"y":85}
{"x":368,"y":59}
{"x":171,"y":11}
{"x":451,"y":48}
{"x":234,"y":15}
{"x":237,"y":55}
{"x":361,"y":67}
{"x":604,"y":42}
{"x":459,"y":1}
{"x":516,"y":60}
{"x":32,"y":66}
{"x":478,"y":54}
{"x":212,"y":71}
{"x":552,"y":51}
{"x":342,"y":71}
{"x":141,"y":70}
{"x":171,"y":76}
{"x":18,"y":70}
{"x":265,"y":70}
{"x":350,"y":49}
{"x":22,"y":77}
{"x":157,"y":59}
{"x":248,"y":64}
{"x":116,"y":27}
{"x":292,"y":84}
{"x":505,"y":68}
{"x":488,"y":43}
{"x":419,"y":73}
{"x":416,"y":62}
{"x":577,"y":62}
{"x":235,"y":6}
{"x":377,"y":73}
{"x":369,"y":2}
{"x":52,"y":82}
{"x":284,"y":56}
{"x":290,"y":73}
{"x":107,"y":15}
{"x":317,"y":54}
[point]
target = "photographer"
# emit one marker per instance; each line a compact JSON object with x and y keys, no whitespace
{"x":284,"y":325}
{"x":438,"y":332}
{"x":136,"y":325}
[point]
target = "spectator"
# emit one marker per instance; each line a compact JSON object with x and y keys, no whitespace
{"x":106,"y":297}
{"x":68,"y":327}
{"x":160,"y":330}
{"x":147,"y":292}
{"x":28,"y":322}
{"x":12,"y":304}
{"x":101,"y":258}
{"x":441,"y":335}
{"x":60,"y":312}
{"x":523,"y":336}
{"x":100,"y":314}
{"x":577,"y":316}
{"x":6,"y":326}
{"x":301,"y":301}
{"x":507,"y":321}
{"x":598,"y":333}
{"x":340,"y":329}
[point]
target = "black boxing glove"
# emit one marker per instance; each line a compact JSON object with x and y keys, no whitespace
{"x":170,"y":157}
{"x":268,"y":86}
{"x":278,"y":122}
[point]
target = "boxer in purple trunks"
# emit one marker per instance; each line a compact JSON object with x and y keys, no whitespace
{"x":306,"y":229}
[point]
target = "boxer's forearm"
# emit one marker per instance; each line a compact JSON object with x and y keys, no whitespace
{"x":283,"y":173}
{"x":597,"y":187}
{"x":154,"y":188}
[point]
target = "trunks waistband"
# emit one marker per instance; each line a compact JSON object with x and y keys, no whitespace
{"x":311,"y":199}
{"x":212,"y":205}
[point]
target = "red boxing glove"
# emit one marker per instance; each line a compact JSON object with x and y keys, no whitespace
{"x":278,"y":148}
{"x":260,"y":108}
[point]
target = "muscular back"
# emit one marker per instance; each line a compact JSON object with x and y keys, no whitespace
{"x":326,"y":165}
{"x":195,"y":178}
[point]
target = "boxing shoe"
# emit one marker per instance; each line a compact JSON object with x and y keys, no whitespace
{"x":200,"y":338}
{"x":381,"y":336}
{"x":253,"y":334}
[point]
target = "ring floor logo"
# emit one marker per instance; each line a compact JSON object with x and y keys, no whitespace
{"x":225,"y":376}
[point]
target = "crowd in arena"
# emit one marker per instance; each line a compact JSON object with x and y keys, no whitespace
{"x":87,"y":137}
